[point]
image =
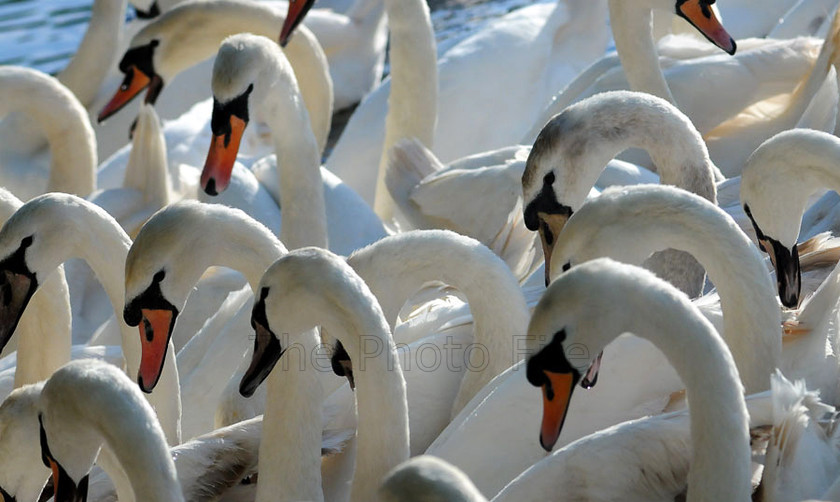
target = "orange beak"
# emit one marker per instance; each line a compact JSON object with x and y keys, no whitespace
{"x":134,"y":82}
{"x":155,"y":331}
{"x":557,"y":395}
{"x":297,"y":11}
{"x":700,"y":14}
{"x":219,"y":164}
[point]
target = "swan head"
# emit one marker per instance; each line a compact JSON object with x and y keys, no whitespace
{"x":33,"y":242}
{"x":22,"y":474}
{"x":305,"y":288}
{"x":158,"y":279}
{"x":699,"y":13}
{"x":777,"y":182}
{"x":138,"y":67}
{"x":571,"y":325}
{"x":245,"y":72}
{"x":65,"y":488}
{"x":294,"y":16}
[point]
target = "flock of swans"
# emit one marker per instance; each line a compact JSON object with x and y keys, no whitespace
{"x":501,"y":220}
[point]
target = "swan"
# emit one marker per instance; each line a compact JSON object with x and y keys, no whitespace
{"x":491,"y":123}
{"x":341,"y":303}
{"x":573,"y":147}
{"x":190,"y":33}
{"x":734,"y":266}
{"x":409,"y":60}
{"x":732,"y":130}
{"x":251,"y":73}
{"x":571,"y":312}
{"x":55,"y":227}
{"x":75,"y":424}
{"x":775,"y":206}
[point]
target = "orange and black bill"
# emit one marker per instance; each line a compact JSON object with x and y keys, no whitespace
{"x":297,"y":11}
{"x":550,"y":370}
{"x":267,"y":350}
{"x":227,"y":125}
{"x":156,"y":317}
{"x":138,"y":67}
{"x":700,"y":14}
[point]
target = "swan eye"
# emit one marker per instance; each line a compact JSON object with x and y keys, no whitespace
{"x":26,"y":242}
{"x":567,"y":266}
{"x":159,"y":276}
{"x":549,"y":178}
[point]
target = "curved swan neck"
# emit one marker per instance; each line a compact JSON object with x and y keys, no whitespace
{"x":294,"y":471}
{"x":751,"y":315}
{"x":587,"y":135}
{"x":648,"y":307}
{"x":412,"y":106}
{"x":64,"y":122}
{"x":194,"y":31}
{"x":298,"y":159}
{"x":127,"y":424}
{"x":96,"y":54}
{"x":809,"y":157}
{"x":396,"y":267}
{"x":343,"y":305}
{"x":631,"y":27}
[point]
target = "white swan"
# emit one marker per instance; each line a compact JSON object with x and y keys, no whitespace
{"x":251,"y":73}
{"x":74,"y":402}
{"x":341,"y":303}
{"x":732,"y":129}
{"x":733,"y":264}
{"x":53,"y":228}
{"x":720,"y":432}
{"x":190,"y":33}
{"x":776,"y":206}
{"x":572,"y":149}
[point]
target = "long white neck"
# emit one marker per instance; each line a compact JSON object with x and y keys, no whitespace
{"x":751,"y":316}
{"x":96,"y":54}
{"x":197,"y":28}
{"x":396,"y":267}
{"x":129,"y":427}
{"x":292,"y":418}
{"x":412,"y":107}
{"x":298,"y":166}
{"x":44,"y":331}
{"x":64,"y":122}
{"x":640,"y":304}
{"x":382,"y":430}
{"x":631,"y":26}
